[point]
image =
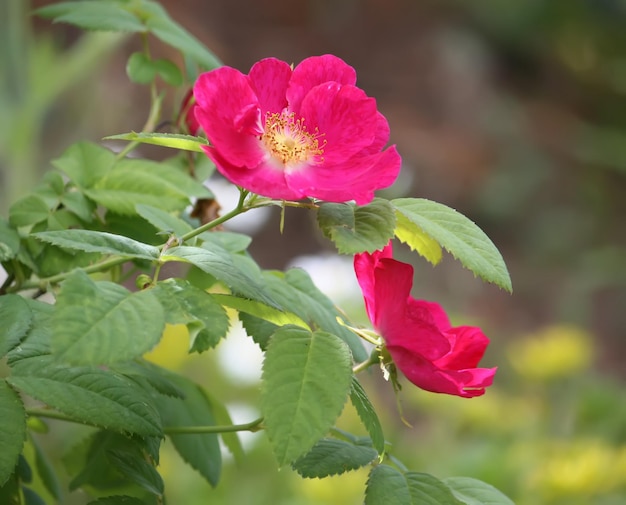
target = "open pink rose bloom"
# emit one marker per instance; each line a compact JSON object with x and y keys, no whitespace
{"x":432,"y":354}
{"x":292,"y":134}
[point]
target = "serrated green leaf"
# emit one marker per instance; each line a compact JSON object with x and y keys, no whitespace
{"x":173,"y":140}
{"x":295,"y":292}
{"x":475,"y":492}
{"x":103,"y":323}
{"x":141,"y":181}
{"x":150,"y":374}
{"x":412,"y":235}
{"x":387,"y":485}
{"x":140,"y":68}
{"x":100,"y":242}
{"x":459,"y":236}
{"x":306,"y":379}
{"x":201,"y":451}
{"x":135,"y":468}
{"x":88,"y":394}
{"x":16,"y":318}
{"x":355,"y":229}
{"x":13,"y":430}
{"x":29,"y":210}
{"x":163,"y":221}
{"x":37,"y":340}
{"x":260,"y":310}
{"x":164,"y":28}
{"x":219,"y":263}
{"x":259,"y":329}
{"x":333,"y":457}
{"x":367,"y":414}
{"x":9,"y":241}
{"x":206,"y":320}
{"x":46,"y":471}
{"x":85,"y":163}
{"x":105,"y":16}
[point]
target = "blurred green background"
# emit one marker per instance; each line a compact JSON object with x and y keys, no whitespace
{"x":515,"y":114}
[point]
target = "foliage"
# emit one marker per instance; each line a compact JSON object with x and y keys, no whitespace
{"x":101,"y":219}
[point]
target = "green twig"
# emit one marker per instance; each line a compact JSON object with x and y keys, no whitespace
{"x":252,"y":426}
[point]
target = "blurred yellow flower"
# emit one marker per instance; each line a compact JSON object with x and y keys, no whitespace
{"x":553,"y":352}
{"x":581,"y":468}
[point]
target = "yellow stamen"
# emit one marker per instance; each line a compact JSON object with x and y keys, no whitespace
{"x":288,"y":140}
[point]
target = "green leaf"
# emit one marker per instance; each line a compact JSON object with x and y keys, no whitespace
{"x":173,"y":140}
{"x":228,"y":240}
{"x":99,"y":241}
{"x":16,"y":318}
{"x":201,"y":451}
{"x":204,"y":317}
{"x":31,"y":497}
{"x":13,"y":430}
{"x":88,"y":394}
{"x":222,"y":417}
{"x":459,"y":236}
{"x":368,"y":415}
{"x":259,"y":329}
{"x":428,"y":490}
{"x":117,"y":500}
{"x":29,"y":210}
{"x":163,"y":221}
{"x":219,"y":263}
{"x":141,"y":181}
{"x":417,"y":240}
{"x":306,"y":379}
{"x":164,"y":28}
{"x":103,"y":323}
{"x":169,"y":72}
{"x":333,"y":457}
{"x":9,"y":241}
{"x":387,"y":485}
{"x":85,"y":163}
{"x":46,"y":471}
{"x":295,"y":292}
{"x":355,"y":229}
{"x":260,"y":310}
{"x":151,"y":375}
{"x":475,"y":492}
{"x":77,"y":203}
{"x":37,"y":340}
{"x":106,"y":16}
{"x":140,"y":68}
{"x":135,"y":468}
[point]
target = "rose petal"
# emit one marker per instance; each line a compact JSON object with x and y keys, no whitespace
{"x":221,"y":96}
{"x":314,"y":71}
{"x":269,"y":79}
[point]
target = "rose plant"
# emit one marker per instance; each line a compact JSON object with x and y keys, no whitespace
{"x":304,"y":137}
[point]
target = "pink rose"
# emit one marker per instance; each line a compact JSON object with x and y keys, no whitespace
{"x":432,"y":354}
{"x":291,"y":134}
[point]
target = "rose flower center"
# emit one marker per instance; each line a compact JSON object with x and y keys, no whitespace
{"x":288,"y":140}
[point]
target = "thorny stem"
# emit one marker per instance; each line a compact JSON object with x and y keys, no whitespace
{"x":252,"y":426}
